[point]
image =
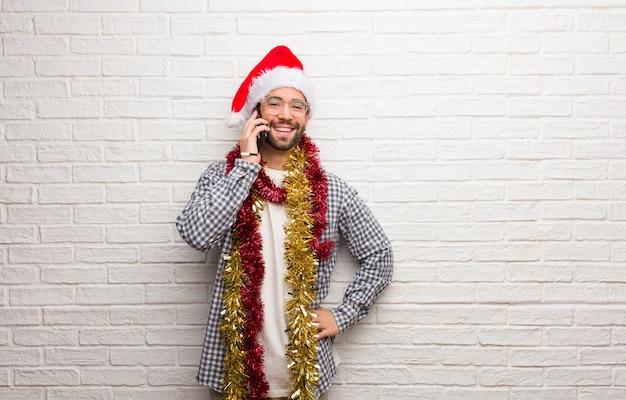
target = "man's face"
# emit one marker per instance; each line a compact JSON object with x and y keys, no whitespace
{"x":286,"y":127}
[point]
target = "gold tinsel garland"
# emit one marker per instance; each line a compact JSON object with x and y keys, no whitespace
{"x":302,"y":277}
{"x":233,"y":322}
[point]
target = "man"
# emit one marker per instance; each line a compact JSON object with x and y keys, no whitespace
{"x":277,"y":217}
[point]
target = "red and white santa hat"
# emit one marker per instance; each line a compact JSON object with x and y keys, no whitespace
{"x":279,"y":68}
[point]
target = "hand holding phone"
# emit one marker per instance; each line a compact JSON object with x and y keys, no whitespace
{"x":255,"y":128}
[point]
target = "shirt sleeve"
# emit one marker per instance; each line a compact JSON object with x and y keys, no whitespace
{"x":212,"y":209}
{"x":371,"y":248}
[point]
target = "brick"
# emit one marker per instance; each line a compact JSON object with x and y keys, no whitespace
{"x":111,"y":254}
{"x":170,"y":46}
{"x":112,"y":337}
{"x":173,"y":6}
{"x":24,"y":296}
{"x":520,"y":377}
{"x":510,"y":294}
{"x":33,"y":174}
{"x":14,"y":393}
{"x":17,"y":234}
{"x":35,"y":89}
{"x":143,"y":274}
{"x":74,"y":234}
{"x":135,"y":67}
{"x":576,"y":252}
{"x":576,"y":210}
{"x":393,"y":375}
{"x":103,"y":173}
{"x":34,"y":5}
{"x":578,"y":337}
{"x":109,"y":295}
{"x":539,"y":231}
{"x":40,"y":254}
{"x":57,"y":131}
{"x":132,"y":356}
{"x":144,"y":24}
{"x":101,"y":46}
{"x":67,"y":24}
{"x":35,"y":47}
{"x":532,"y":65}
{"x":21,"y":275}
{"x":130,"y":193}
{"x":471,"y":356}
{"x":17,"y":110}
{"x":71,"y":195}
{"x":17,"y":67}
{"x":202,"y":24}
{"x":76,"y":356}
{"x":19,"y":357}
{"x":82,"y":316}
{"x":97,"y":6}
{"x":114,"y":376}
{"x":140,"y":152}
{"x":158,"y":213}
{"x":540,"y":191}
{"x":543,"y":150}
{"x":510,"y":336}
{"x":179,"y":336}
{"x":508,"y":85}
{"x":578,"y":376}
{"x":20,"y":316}
{"x":592,"y":293}
{"x":136,"y":109}
{"x":15,"y":24}
{"x":69,"y":109}
{"x":191,"y":314}
{"x":139,"y":234}
{"x":80,"y":394}
{"x":68,"y":67}
{"x":541,"y":316}
{"x":123,"y":393}
{"x":47,"y":377}
{"x":179,"y":131}
{"x":106,"y":214}
{"x":159,"y":294}
{"x":473,"y":394}
{"x":142,"y":315}
{"x":173,"y":377}
{"x":195,"y":109}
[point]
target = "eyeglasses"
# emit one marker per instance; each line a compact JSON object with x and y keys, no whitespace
{"x":275,"y":105}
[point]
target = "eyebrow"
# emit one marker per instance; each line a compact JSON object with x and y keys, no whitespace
{"x":280,"y":98}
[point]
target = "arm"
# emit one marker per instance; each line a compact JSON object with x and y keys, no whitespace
{"x":213,"y":207}
{"x":214,"y":204}
{"x":371,"y":248}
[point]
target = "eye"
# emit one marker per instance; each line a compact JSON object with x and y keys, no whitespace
{"x":273,"y":102}
{"x":298,"y":106}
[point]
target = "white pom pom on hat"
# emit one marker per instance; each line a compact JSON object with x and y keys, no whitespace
{"x":279,"y":68}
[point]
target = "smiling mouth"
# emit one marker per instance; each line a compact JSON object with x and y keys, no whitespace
{"x":282,"y":127}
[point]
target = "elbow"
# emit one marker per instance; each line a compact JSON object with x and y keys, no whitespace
{"x":193,"y":237}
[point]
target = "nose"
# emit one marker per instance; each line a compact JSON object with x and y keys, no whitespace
{"x":285,"y":112}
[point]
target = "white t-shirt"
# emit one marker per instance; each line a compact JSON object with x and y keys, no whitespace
{"x":274,"y":294}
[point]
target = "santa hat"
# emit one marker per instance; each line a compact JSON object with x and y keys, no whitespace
{"x":279,"y":68}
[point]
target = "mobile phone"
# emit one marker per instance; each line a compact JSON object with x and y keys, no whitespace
{"x":262,"y":135}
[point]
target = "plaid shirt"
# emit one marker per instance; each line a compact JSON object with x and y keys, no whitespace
{"x":207,"y":221}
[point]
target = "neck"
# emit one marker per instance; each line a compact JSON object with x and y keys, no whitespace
{"x":275,"y":159}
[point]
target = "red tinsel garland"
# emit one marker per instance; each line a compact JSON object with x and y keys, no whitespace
{"x":250,"y":246}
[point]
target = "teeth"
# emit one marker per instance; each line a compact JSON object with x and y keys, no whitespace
{"x":283,"y":129}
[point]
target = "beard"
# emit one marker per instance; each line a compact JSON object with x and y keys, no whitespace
{"x":281,"y":145}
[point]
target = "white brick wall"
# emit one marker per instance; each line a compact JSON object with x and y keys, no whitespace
{"x":488,"y":136}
